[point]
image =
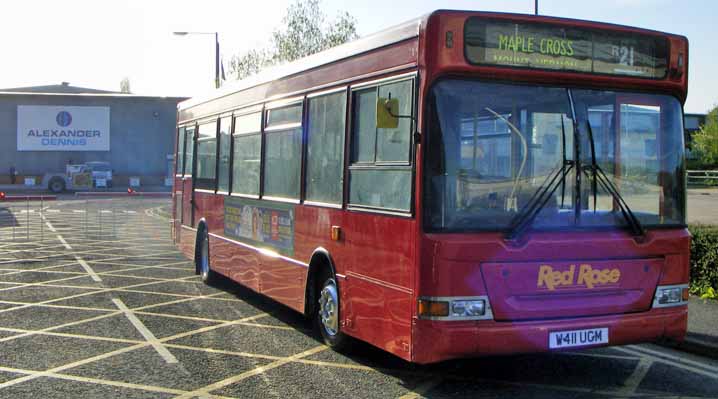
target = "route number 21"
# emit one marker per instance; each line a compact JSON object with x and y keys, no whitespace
{"x":623,"y":54}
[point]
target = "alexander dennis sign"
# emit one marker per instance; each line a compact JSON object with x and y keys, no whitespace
{"x":60,"y":128}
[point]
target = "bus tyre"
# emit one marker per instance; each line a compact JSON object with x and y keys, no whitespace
{"x":206,"y":273}
{"x":327,"y":315}
{"x":56,"y":185}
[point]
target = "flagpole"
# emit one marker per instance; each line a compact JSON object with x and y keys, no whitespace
{"x":216,"y":59}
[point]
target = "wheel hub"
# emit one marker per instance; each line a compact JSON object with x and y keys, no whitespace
{"x":204,"y":261}
{"x":329,"y":309}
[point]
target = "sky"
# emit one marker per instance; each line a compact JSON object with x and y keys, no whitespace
{"x":97,"y":43}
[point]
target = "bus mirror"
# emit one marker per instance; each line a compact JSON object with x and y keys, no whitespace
{"x":387,"y":110}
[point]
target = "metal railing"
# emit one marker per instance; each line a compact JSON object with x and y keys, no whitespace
{"x":34,"y":218}
{"x":702,"y":177}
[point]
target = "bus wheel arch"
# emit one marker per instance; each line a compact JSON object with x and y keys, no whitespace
{"x":320,"y":263}
{"x":323,"y":300}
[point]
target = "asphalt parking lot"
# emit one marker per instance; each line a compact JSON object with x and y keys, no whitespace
{"x":95,"y":301}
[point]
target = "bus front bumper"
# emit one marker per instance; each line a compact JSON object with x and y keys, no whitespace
{"x":435,"y":341}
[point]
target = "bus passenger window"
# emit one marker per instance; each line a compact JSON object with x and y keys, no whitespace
{"x":189,"y":151}
{"x":179,"y":158}
{"x":325,"y":148}
{"x":283,"y":152}
{"x":225,"y":124}
{"x":247,"y":154}
{"x":380,"y":170}
{"x":393,"y":144}
{"x":207,"y":156}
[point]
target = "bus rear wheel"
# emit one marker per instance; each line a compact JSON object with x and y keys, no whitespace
{"x":206,"y":273}
{"x":327,"y":315}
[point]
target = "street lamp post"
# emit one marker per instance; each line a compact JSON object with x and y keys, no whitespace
{"x":216,"y":51}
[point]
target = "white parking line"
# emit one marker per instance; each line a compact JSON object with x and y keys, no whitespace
{"x":635,"y":379}
{"x":422,"y":388}
{"x":48,"y":224}
{"x":673,"y":357}
{"x":147,"y":334}
{"x":53,"y":211}
{"x":88,"y":269}
{"x":78,"y":211}
{"x":663,"y":357}
{"x":62,"y":240}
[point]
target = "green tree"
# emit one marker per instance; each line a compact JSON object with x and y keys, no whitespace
{"x":705,"y":141}
{"x":305,"y":31}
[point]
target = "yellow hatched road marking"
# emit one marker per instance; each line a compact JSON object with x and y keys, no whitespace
{"x":256,"y":371}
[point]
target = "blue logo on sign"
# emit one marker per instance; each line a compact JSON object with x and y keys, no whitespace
{"x":63,"y":118}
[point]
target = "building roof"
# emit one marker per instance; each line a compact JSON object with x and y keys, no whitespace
{"x":62,"y":88}
{"x":65,"y":90}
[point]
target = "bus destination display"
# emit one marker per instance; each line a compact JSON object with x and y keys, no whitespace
{"x":553,"y":47}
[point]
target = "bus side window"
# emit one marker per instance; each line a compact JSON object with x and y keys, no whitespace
{"x":225,"y":126}
{"x":207,"y":156}
{"x":380,"y":169}
{"x":189,"y":151}
{"x":325,"y":148}
{"x":283,"y":152}
{"x":247,"y":154}
{"x":180,"y":151}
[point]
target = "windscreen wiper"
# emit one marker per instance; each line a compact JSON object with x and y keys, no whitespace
{"x":538,"y":200}
{"x":563,"y":161}
{"x":544,"y":193}
{"x":600,"y":177}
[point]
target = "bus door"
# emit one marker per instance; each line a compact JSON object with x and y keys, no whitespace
{"x":184,"y":190}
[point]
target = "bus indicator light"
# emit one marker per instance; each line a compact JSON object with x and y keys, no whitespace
{"x":2,"y":195}
{"x":336,"y":233}
{"x":429,"y":308}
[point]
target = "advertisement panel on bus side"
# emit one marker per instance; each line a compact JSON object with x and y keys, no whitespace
{"x":260,"y":223}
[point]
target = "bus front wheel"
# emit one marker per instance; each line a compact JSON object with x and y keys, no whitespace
{"x":327,"y":315}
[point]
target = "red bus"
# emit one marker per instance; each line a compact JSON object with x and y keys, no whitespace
{"x":463,"y":184}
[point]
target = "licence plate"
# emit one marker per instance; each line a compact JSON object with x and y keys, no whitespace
{"x":572,"y":338}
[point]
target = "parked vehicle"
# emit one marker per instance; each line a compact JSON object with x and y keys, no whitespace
{"x":463,"y":184}
{"x":100,"y":171}
{"x":78,"y":177}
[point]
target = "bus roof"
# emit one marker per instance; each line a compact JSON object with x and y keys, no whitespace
{"x":398,"y":33}
{"x":395,"y":34}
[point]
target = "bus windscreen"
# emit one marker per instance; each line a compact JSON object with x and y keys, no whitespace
{"x":556,"y":47}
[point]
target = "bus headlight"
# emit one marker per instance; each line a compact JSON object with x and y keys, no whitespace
{"x":454,"y":308}
{"x":468,"y":308}
{"x":670,"y":295}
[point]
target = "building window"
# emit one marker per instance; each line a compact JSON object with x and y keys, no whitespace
{"x":325,"y":148}
{"x":225,"y":126}
{"x":282,"y":152}
{"x":207,"y":156}
{"x":380,"y":170}
{"x":247,"y":154}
